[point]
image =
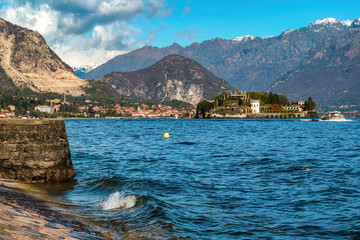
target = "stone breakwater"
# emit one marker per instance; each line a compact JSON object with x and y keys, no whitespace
{"x":34,"y":150}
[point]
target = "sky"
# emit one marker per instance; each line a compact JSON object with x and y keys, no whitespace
{"x":85,"y":32}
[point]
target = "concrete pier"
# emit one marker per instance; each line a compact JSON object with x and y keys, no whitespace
{"x":34,"y":150}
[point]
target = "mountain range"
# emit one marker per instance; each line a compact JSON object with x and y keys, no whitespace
{"x":332,"y":77}
{"x":173,"y":77}
{"x":321,"y":60}
{"x":27,"y":62}
{"x":251,"y":63}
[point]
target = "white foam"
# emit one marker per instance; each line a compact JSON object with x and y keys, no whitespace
{"x":337,"y":120}
{"x":118,"y":200}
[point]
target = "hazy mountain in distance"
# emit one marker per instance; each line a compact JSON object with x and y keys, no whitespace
{"x":173,"y":77}
{"x":332,"y":77}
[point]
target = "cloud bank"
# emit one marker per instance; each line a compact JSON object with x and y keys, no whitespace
{"x":86,"y":31}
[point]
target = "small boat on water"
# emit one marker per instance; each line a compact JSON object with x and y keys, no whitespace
{"x":333,"y":116}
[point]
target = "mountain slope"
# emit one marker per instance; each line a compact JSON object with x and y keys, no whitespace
{"x":174,"y":77}
{"x":250,"y":63}
{"x":135,"y":60}
{"x":30,"y":63}
{"x":331,"y":78}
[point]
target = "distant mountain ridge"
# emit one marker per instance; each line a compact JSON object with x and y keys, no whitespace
{"x":173,"y":77}
{"x":249,"y":63}
{"x":28,"y":62}
{"x":332,"y":77}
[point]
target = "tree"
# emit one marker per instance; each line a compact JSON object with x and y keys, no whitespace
{"x":309,"y":105}
{"x":111,"y":112}
{"x":271,"y":98}
{"x":221,"y":99}
{"x":262,"y":96}
{"x":203,"y":107}
{"x":274,"y":98}
{"x":283,"y":100}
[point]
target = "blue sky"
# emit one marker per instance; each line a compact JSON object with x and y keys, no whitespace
{"x":93,"y":31}
{"x":232,"y":18}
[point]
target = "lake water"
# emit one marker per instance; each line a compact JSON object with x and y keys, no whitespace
{"x":215,"y":179}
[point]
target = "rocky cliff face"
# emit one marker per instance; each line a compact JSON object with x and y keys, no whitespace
{"x":174,"y":77}
{"x":34,"y":150}
{"x":249,"y":63}
{"x":30,"y":63}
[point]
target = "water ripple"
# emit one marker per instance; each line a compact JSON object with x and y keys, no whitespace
{"x":219,"y":179}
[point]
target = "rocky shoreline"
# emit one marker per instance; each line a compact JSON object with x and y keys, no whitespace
{"x":25,"y":217}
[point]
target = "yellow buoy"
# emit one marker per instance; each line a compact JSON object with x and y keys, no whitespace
{"x":166,"y":135}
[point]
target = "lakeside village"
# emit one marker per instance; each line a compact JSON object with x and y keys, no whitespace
{"x":226,"y":105}
{"x":32,"y":107}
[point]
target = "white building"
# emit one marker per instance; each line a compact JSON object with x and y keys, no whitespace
{"x":255,"y":106}
{"x":44,"y":108}
{"x":301,"y":103}
{"x":293,"y":108}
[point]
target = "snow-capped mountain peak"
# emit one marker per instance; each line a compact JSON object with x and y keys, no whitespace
{"x":327,"y":21}
{"x":244,"y":38}
{"x":327,"y":24}
{"x":356,"y":23}
{"x":85,"y":69}
{"x":286,"y":32}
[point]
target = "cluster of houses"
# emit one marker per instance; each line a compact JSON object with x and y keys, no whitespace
{"x":93,"y":109}
{"x":231,"y":103}
{"x":9,"y":112}
{"x":54,"y":106}
{"x":142,"y":110}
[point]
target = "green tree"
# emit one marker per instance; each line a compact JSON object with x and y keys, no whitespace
{"x":111,"y":112}
{"x":274,"y":98}
{"x":221,"y":99}
{"x":203,"y":107}
{"x":310,"y":105}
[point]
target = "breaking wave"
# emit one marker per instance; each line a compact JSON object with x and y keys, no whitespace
{"x":118,"y":200}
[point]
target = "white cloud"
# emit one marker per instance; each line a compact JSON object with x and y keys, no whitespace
{"x":104,"y":43}
{"x":151,"y":38}
{"x":156,"y":8}
{"x":43,"y":19}
{"x":81,"y":31}
{"x":186,"y":11}
{"x":190,"y":35}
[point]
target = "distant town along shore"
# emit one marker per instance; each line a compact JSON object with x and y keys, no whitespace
{"x":255,"y":105}
{"x":226,"y":105}
{"x":12,"y":106}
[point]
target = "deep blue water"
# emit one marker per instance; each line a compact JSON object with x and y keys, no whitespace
{"x":217,"y":179}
